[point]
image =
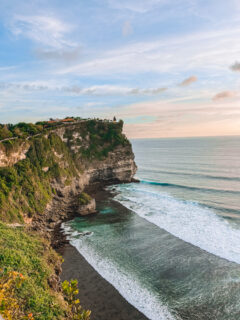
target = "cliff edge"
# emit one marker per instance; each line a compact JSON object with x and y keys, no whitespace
{"x":44,"y":173}
{"x":41,"y":175}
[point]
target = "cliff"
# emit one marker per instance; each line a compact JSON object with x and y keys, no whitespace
{"x":42,"y":174}
{"x":42,"y":178}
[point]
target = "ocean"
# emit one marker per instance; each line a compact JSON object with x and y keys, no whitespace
{"x":173,"y":251}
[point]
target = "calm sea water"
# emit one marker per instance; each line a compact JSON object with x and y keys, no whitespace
{"x":174,"y":252}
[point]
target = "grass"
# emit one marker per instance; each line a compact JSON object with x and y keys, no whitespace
{"x":27,"y":263}
{"x":31,"y":257}
{"x":84,"y":199}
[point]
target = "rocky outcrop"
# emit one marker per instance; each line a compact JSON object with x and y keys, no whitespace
{"x":117,"y":167}
{"x":11,"y":155}
{"x":86,"y":209}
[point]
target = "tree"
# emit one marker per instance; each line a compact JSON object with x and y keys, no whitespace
{"x":5,"y":133}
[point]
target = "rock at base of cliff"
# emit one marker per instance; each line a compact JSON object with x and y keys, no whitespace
{"x":86,"y":209}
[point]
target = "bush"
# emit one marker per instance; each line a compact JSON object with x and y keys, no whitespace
{"x":84,"y":199}
{"x":26,"y":264}
{"x":70,"y":291}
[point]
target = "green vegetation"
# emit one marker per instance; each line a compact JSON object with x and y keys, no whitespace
{"x":84,"y":199}
{"x":21,"y":130}
{"x":25,"y":188}
{"x":26,"y":265}
{"x":70,"y":291}
{"x":99,"y":138}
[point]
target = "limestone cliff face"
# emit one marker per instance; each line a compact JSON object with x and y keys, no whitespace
{"x":41,"y":176}
{"x":117,"y":167}
{"x":12,"y":156}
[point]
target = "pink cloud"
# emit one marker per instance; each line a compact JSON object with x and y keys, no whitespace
{"x":224,"y":95}
{"x":188,"y":81}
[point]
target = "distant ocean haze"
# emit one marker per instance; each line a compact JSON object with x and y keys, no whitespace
{"x":171,"y":244}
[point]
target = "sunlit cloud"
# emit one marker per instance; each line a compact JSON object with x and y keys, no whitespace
{"x":224,"y":95}
{"x":137,"y":59}
{"x":188,"y":81}
{"x":172,"y":120}
{"x":165,"y":56}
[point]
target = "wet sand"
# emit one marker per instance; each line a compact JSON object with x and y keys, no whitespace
{"x":95,"y":292}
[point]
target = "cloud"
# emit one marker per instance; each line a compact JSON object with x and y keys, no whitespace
{"x":127,"y":29}
{"x":7,"y":68}
{"x":224,"y":95}
{"x":165,"y":55}
{"x":235,"y":67}
{"x":136,"y":6}
{"x":105,"y":90}
{"x":66,"y":55}
{"x":98,"y":90}
{"x":181,"y":119}
{"x":45,"y":30}
{"x":188,"y":81}
{"x":26,"y":86}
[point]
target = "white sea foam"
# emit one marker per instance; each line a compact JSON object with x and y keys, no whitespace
{"x":127,"y":286}
{"x":186,"y":220}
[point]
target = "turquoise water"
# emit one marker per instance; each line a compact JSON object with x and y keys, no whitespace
{"x":173,"y":249}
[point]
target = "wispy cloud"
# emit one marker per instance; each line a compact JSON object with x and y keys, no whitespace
{"x":165,"y":55}
{"x":44,"y":30}
{"x":167,"y":119}
{"x":224,"y":95}
{"x":99,"y":57}
{"x":7,"y":68}
{"x":127,"y":28}
{"x":106,"y":90}
{"x":68,"y":55}
{"x":138,"y":6}
{"x":98,"y":90}
{"x":235,"y":67}
{"x":188,"y":81}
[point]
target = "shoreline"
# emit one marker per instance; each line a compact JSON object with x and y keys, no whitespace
{"x":95,"y":293}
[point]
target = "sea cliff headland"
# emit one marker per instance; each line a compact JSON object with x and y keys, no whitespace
{"x":45,"y":170}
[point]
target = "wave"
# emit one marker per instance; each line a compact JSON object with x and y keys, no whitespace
{"x":186,"y":220}
{"x":192,"y":174}
{"x":129,"y":287}
{"x":173,"y":185}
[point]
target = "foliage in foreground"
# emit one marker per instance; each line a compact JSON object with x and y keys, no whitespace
{"x":70,"y":291}
{"x":26,"y":264}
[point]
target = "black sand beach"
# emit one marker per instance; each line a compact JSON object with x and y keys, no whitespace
{"x":96,"y":293}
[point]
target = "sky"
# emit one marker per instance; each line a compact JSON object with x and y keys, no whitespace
{"x":168,"y":68}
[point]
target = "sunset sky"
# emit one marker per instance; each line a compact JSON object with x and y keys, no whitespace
{"x":168,"y":68}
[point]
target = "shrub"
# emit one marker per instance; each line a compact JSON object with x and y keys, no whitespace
{"x":70,"y":291}
{"x":84,"y":199}
{"x":27,"y":262}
